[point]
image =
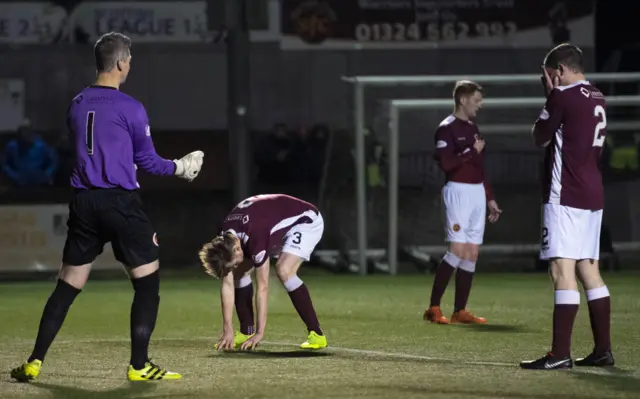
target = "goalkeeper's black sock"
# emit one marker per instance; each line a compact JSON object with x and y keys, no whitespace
{"x":144,"y":312}
{"x":52,"y":318}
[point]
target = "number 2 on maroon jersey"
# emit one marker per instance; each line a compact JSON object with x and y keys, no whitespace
{"x":91,"y":116}
{"x":598,"y":140}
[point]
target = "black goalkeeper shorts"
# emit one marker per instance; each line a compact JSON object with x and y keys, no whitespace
{"x":114,"y":215}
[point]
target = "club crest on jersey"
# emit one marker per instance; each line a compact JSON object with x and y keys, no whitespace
{"x":147,"y":130}
{"x":155,"y":239}
{"x":456,"y":227}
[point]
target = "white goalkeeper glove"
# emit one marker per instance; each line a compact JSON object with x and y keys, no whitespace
{"x":189,"y":166}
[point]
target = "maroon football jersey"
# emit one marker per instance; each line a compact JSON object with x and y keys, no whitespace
{"x":572,"y":125}
{"x":455,"y":153}
{"x":261,"y":222}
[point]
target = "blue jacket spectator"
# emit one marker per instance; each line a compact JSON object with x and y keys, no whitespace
{"x":28,"y":160}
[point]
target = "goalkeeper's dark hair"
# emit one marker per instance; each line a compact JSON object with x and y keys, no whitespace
{"x":216,"y":255}
{"x":111,"y":48}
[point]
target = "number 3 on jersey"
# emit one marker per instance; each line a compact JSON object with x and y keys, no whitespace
{"x":598,"y":139}
{"x":91,"y":116}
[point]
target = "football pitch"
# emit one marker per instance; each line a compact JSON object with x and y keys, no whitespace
{"x":379,"y":345}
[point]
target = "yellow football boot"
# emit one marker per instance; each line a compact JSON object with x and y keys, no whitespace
{"x":238,"y":339}
{"x":27,"y":372}
{"x":314,"y":341}
{"x":151,"y":372}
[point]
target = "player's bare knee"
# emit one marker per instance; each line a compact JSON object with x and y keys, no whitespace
{"x":287,"y":266}
{"x":563,"y":273}
{"x":589,"y":274}
{"x":75,"y":276}
{"x":472,"y":252}
{"x":143,"y":270}
{"x":459,"y":249}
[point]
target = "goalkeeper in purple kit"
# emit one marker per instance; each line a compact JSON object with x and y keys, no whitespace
{"x":112,"y":139}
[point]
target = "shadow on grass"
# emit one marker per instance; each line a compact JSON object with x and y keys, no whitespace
{"x":613,"y":379}
{"x":273,"y":355}
{"x":129,"y":391}
{"x":397,"y":390}
{"x":499,"y":328}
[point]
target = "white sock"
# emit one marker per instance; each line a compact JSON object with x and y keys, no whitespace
{"x":567,"y":297}
{"x":597,"y":293}
{"x":243,"y":282}
{"x":293,"y":283}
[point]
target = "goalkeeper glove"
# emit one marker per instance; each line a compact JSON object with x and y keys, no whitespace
{"x":189,"y":166}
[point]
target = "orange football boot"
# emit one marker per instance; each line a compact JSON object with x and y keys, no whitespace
{"x":434,"y":315}
{"x":465,"y":317}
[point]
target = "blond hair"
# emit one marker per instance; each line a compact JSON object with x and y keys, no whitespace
{"x":464,"y":88}
{"x":216,"y":255}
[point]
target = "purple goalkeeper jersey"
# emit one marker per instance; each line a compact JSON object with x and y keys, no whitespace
{"x":112,"y":139}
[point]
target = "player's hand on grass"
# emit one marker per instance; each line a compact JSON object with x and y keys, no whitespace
{"x":494,"y":211}
{"x":479,"y":145}
{"x":226,"y":341}
{"x":252,"y":342}
{"x":548,"y":84}
{"x":189,"y":166}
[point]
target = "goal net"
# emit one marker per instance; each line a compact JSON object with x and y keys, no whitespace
{"x":513,"y":163}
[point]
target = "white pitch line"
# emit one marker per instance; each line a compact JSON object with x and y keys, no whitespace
{"x":396,"y":355}
{"x":365,"y":352}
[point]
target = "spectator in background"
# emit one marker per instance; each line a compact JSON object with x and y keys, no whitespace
{"x":28,"y":160}
{"x":65,"y":161}
{"x":310,"y":154}
{"x":274,"y":157}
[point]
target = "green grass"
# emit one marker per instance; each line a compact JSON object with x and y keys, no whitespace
{"x":381,"y":348}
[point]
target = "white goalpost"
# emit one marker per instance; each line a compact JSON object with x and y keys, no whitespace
{"x":396,"y":106}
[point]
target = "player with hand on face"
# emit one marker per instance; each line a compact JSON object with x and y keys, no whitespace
{"x":112,"y":139}
{"x":571,"y":128}
{"x":466,"y":195}
{"x":260,"y":227}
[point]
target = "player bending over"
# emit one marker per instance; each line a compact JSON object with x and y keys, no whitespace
{"x":260,"y":227}
{"x":571,"y":127}
{"x":466,"y":195}
{"x":112,"y":137}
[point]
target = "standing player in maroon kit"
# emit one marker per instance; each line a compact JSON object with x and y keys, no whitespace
{"x":260,"y":227}
{"x":571,"y":127}
{"x":466,"y":195}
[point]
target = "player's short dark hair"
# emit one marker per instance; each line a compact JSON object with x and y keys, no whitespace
{"x":216,"y":255}
{"x":109,"y":49}
{"x":565,"y":54}
{"x":464,"y":88}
